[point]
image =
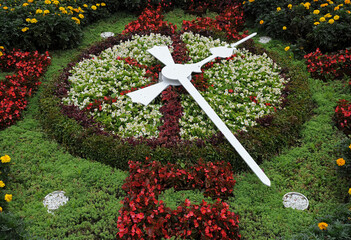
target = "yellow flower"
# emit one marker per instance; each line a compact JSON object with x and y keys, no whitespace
{"x":347,"y":1}
{"x":322,"y":19}
{"x":0,"y":209}
{"x":1,"y":47}
{"x":287,"y":48}
{"x":39,"y":11}
{"x":76,"y":10}
{"x":34,"y":20}
{"x":336,"y":17}
{"x":25,"y":29}
{"x":2,"y":184}
{"x":284,"y":28}
{"x":56,"y":2}
{"x":350,"y":146}
{"x":251,"y":0}
{"x":104,"y":4}
{"x":315,"y":0}
{"x":6,"y":158}
{"x":331,"y":21}
{"x":47,"y":2}
{"x":243,"y":3}
{"x":290,"y":6}
{"x":336,"y":8}
{"x":30,"y":1}
{"x":70,"y":7}
{"x":349,"y":12}
{"x":328,"y":15}
{"x":81,"y":16}
{"x":1,"y":54}
{"x":93,"y":7}
{"x":316,"y":23}
{"x":46,"y":12}
{"x":85,"y":5}
{"x":261,"y":22}
{"x":316,"y":12}
{"x":8,"y":197}
{"x":98,"y":4}
{"x":350,"y":191}
{"x":27,"y":19}
{"x":25,"y":4}
{"x":322,"y":225}
{"x":278,"y":9}
{"x":5,"y":8}
{"x":324,"y":4}
{"x":76,"y":20}
{"x":340,"y":161}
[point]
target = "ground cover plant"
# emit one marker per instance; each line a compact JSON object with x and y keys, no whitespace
{"x":43,"y":166}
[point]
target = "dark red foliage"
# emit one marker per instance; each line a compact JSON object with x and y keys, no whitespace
{"x":172,"y":111}
{"x":28,"y":67}
{"x":144,"y":216}
{"x":333,"y":66}
{"x":342,"y":116}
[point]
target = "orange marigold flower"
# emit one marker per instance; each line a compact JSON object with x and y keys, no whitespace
{"x":322,"y":225}
{"x":340,"y":162}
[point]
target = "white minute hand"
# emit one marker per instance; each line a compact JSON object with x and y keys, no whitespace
{"x":224,"y":129}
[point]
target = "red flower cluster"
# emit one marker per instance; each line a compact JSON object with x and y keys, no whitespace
{"x":231,"y":22}
{"x":342,"y":116}
{"x":143,"y":216}
{"x":14,"y":90}
{"x":329,"y":65}
{"x":150,"y":20}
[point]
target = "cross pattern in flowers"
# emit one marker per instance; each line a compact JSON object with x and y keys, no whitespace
{"x":180,"y":74}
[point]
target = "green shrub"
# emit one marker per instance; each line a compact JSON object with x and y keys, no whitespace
{"x":308,"y":24}
{"x":42,"y":25}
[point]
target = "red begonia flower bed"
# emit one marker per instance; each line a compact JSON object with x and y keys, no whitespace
{"x":143,"y":216}
{"x":15,"y":89}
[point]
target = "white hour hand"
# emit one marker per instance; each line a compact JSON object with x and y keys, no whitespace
{"x":146,"y":95}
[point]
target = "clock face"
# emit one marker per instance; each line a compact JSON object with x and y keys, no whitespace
{"x":240,"y":89}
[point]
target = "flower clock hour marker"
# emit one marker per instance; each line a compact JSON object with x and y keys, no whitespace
{"x":180,"y":74}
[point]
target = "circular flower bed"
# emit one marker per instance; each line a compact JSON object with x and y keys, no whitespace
{"x":87,"y":109}
{"x":241,"y":89}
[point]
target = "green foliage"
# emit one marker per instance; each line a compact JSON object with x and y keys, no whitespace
{"x":339,"y":226}
{"x":12,"y":227}
{"x":173,"y":199}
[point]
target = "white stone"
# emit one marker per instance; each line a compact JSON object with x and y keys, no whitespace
{"x":295,"y":200}
{"x":107,"y":34}
{"x":54,"y":200}
{"x":264,"y":39}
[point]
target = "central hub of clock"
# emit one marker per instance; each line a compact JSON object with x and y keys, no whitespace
{"x":172,"y":73}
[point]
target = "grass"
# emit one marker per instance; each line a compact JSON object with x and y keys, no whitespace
{"x":42,"y":166}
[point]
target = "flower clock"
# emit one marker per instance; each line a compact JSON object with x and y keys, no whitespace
{"x":137,"y":94}
{"x":241,"y":87}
